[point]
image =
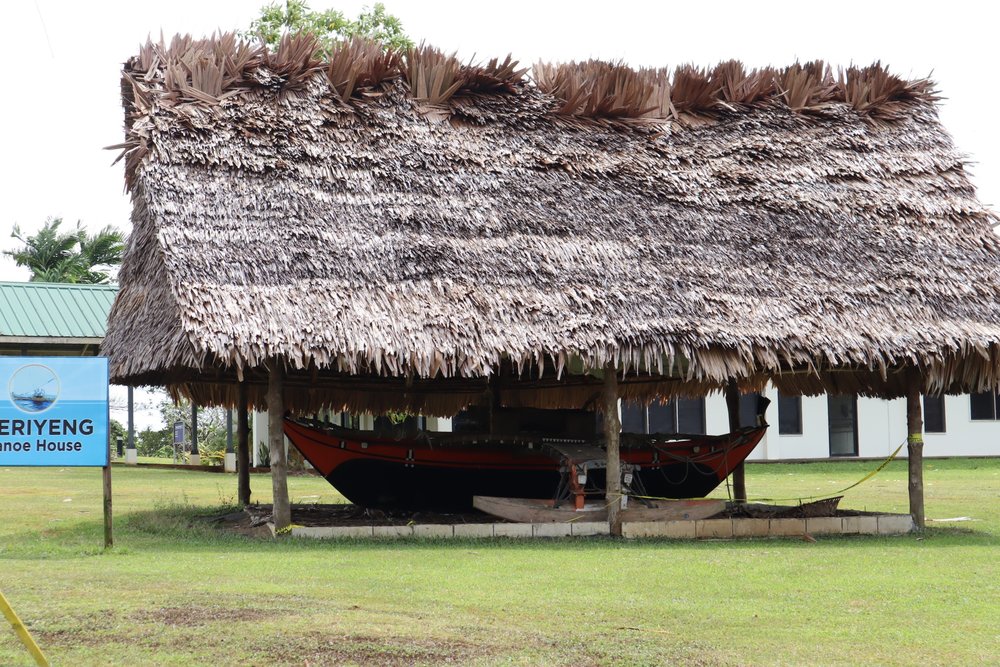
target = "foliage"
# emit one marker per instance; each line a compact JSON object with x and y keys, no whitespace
{"x":75,"y":256}
{"x":211,"y":428}
{"x":159,"y":443}
{"x":330,"y":26}
{"x":263,"y":455}
{"x":154,"y":443}
{"x":117,"y":430}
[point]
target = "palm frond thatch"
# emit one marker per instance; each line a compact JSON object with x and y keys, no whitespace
{"x":596,"y":89}
{"x":360,"y":64}
{"x":813,"y":232}
{"x":741,"y":88}
{"x":807,"y":87}
{"x":433,"y":76}
{"x":294,"y":61}
{"x":876,"y":92}
{"x":493,"y":77}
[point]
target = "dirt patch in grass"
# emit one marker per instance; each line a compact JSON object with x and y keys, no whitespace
{"x":316,"y":649}
{"x":195,"y":615}
{"x":73,"y":630}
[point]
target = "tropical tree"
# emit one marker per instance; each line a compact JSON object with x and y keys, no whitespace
{"x":329,"y":26}
{"x":73,"y":256}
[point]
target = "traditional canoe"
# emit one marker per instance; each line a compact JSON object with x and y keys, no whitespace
{"x":529,"y":510}
{"x":442,"y":472}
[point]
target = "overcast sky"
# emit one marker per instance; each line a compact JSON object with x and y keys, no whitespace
{"x":61,"y":80}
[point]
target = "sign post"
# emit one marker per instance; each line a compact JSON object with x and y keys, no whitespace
{"x":178,"y":438}
{"x":54,"y":412}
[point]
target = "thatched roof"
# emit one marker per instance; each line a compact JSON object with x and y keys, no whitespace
{"x":396,"y":229}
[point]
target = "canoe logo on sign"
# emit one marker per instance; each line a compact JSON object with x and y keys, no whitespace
{"x":34,"y":388}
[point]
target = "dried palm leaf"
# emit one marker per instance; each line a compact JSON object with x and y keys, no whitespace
{"x":493,"y":77}
{"x":360,"y":64}
{"x":805,"y":87}
{"x":693,"y":91}
{"x":295,"y":59}
{"x":738,"y":88}
{"x":874,"y":92}
{"x":658,"y":100}
{"x":597,"y":89}
{"x":432,"y":75}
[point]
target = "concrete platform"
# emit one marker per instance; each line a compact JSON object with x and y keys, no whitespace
{"x":735,"y":528}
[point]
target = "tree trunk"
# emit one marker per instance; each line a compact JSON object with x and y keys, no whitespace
{"x":612,"y":433}
{"x":739,"y":472}
{"x":243,"y":446}
{"x":276,"y":444}
{"x":915,"y":448}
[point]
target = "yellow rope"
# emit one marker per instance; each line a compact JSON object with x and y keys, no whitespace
{"x":867,"y":477}
{"x":22,"y":632}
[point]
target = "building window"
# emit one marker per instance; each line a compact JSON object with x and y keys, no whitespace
{"x":934,"y":414}
{"x":789,"y":415}
{"x":748,"y":409}
{"x":633,"y":417}
{"x":984,"y":406}
{"x":681,"y":415}
{"x":843,"y":414}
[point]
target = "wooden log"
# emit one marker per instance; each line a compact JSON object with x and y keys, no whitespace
{"x":612,"y":438}
{"x":243,"y":446}
{"x":739,"y":473}
{"x":915,"y":448}
{"x":276,"y":444}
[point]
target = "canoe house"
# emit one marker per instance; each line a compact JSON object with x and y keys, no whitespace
{"x":379,"y":231}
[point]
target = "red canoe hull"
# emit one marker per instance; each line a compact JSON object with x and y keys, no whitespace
{"x":443,"y":472}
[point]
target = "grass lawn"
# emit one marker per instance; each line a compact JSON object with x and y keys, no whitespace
{"x":174,"y":591}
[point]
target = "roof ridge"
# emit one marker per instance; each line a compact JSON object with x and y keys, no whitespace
{"x":209,"y":70}
{"x":33,"y":283}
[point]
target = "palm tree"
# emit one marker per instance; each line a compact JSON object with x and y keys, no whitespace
{"x":68,"y":257}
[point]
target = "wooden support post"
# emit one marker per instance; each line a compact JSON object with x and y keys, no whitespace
{"x":229,"y":460}
{"x":131,"y":455}
{"x":276,"y":444}
{"x":493,"y":396}
{"x":243,"y":446}
{"x":195,"y":458}
{"x":109,"y":536}
{"x":915,"y":448}
{"x":612,"y":437}
{"x":739,"y":472}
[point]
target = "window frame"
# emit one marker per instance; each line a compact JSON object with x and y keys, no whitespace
{"x":674,"y":407}
{"x":994,"y":406}
{"x":942,"y":412}
{"x":798,"y":413}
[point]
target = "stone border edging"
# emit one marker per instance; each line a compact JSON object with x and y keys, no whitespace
{"x":874,"y":524}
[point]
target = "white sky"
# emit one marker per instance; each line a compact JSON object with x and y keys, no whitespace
{"x":60,"y":100}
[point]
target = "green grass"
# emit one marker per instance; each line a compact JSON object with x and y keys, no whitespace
{"x":175,"y":591}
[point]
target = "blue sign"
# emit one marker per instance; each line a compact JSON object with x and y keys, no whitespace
{"x":53,"y":411}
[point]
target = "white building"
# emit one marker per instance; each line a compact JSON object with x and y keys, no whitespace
{"x":818,"y":427}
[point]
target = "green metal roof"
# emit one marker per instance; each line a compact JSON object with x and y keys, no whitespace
{"x":54,"y":310}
